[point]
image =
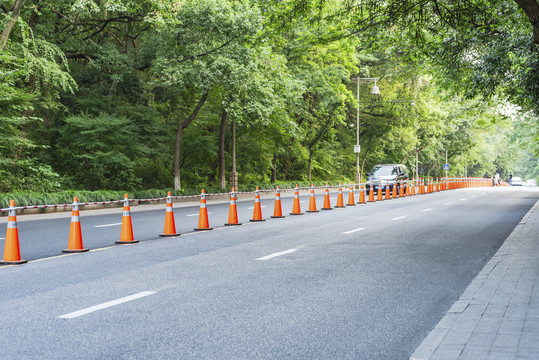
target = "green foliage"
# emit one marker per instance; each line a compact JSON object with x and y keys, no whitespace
{"x":92,"y":93}
{"x":102,"y":149}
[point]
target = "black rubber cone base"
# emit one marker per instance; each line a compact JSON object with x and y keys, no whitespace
{"x":253,"y":220}
{"x":203,"y":229}
{"x":327,"y":209}
{"x":350,"y":204}
{"x":2,"y":262}
{"x":234,"y":224}
{"x":340,"y":207}
{"x":296,"y":213}
{"x":312,"y":211}
{"x":277,"y":217}
{"x":69,"y":251}
{"x":126,"y":242}
{"x":169,"y":235}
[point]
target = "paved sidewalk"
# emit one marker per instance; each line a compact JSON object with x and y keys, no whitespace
{"x":497,"y":317}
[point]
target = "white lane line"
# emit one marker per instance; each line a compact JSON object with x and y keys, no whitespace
{"x":447,"y":204}
{"x":106,"y":305}
{"x":483,"y":193}
{"x":474,"y":195}
{"x":252,"y":208}
{"x":462,"y":199}
{"x":429,"y":209}
{"x":398,"y":218}
{"x":303,"y":201}
{"x":116,"y":224}
{"x":197,"y":214}
{"x":271,"y":256}
{"x":2,"y":238}
{"x":352,"y":231}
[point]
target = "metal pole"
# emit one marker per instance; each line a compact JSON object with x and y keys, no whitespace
{"x":358,"y":180}
{"x":446,"y":183}
{"x":416,"y":164}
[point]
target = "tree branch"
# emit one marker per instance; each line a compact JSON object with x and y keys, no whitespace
{"x":10,"y":24}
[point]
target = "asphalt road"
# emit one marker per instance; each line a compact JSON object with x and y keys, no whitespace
{"x":365,"y":282}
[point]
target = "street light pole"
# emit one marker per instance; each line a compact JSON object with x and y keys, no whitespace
{"x":358,"y":180}
{"x":374,"y":91}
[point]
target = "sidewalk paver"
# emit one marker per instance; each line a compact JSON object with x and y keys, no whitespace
{"x":497,"y":316}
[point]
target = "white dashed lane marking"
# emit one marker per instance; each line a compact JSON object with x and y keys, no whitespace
{"x":429,"y":209}
{"x":398,"y":218}
{"x":106,"y":225}
{"x":352,"y":231}
{"x":108,"y":304}
{"x":271,"y":256}
{"x":197,"y":214}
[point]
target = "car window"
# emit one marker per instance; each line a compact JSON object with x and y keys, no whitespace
{"x":384,"y":170}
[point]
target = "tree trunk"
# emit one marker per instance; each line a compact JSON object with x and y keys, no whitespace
{"x":310,"y":161}
{"x":112,"y":89}
{"x":233,"y":173}
{"x":363,"y":164}
{"x":531,"y":8}
{"x":10,"y":24}
{"x":183,"y":125}
{"x":222,"y":131}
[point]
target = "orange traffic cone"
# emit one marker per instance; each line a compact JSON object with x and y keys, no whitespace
{"x":387,"y":192}
{"x":379,"y":195}
{"x":296,"y":209}
{"x":203,"y":223}
{"x":277,"y":210}
{"x":362,"y":195}
{"x":437,"y":184}
{"x":340,"y":199}
{"x":395,"y":195}
{"x":327,"y":204}
{"x":170,"y":225}
{"x":407,"y":192}
{"x":233,"y":210}
{"x":12,"y":253}
{"x":371,"y":193}
{"x":74,"y":244}
{"x":312,"y":201}
{"x":351,"y":201}
{"x":401,"y":189}
{"x":257,"y":212}
{"x":127,"y":226}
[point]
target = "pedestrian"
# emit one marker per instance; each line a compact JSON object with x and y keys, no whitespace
{"x":510,"y":178}
{"x":497,"y":179}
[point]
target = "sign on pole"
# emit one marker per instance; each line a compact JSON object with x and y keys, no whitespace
{"x":446,"y":167}
{"x":357,"y":148}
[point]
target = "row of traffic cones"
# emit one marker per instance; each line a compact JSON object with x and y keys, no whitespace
{"x":12,"y":250}
{"x":12,"y":255}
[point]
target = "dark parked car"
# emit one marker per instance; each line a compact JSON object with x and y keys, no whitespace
{"x":383,"y":174}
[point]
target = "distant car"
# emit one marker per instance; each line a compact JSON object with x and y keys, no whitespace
{"x":516,"y":181}
{"x":531,"y":182}
{"x":386,"y":174}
